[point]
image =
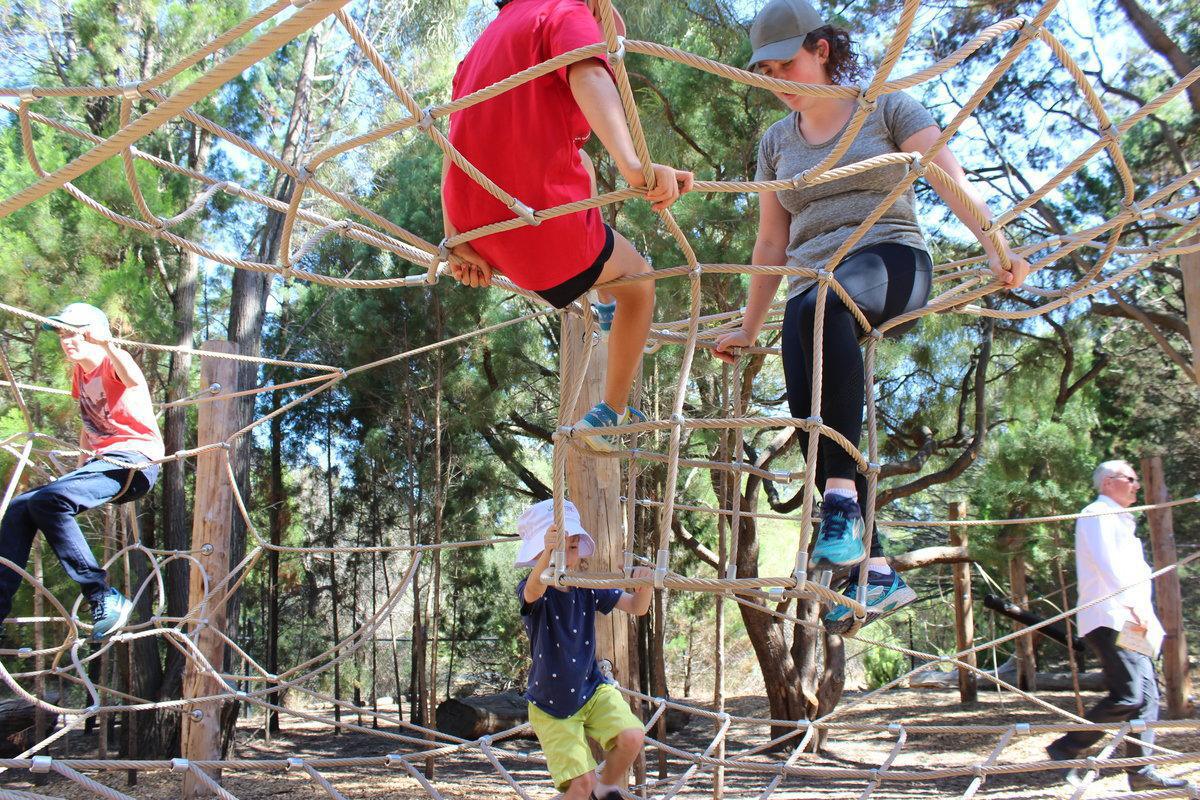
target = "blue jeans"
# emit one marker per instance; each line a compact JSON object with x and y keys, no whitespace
{"x":52,"y":509}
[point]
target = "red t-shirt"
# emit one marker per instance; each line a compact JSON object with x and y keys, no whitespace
{"x":527,"y":140}
{"x":115,"y":416}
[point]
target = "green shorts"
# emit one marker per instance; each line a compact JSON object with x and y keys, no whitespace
{"x":564,"y":741}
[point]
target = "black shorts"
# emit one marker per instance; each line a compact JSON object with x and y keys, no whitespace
{"x":572,"y":289}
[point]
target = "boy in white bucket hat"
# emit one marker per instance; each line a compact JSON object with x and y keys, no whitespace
{"x":569,"y":699}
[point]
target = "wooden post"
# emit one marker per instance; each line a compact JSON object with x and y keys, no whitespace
{"x":212,"y":519}
{"x":1189,"y":264}
{"x":1024,"y":650}
{"x":1168,"y":601}
{"x":594,"y":485}
{"x":964,"y":609}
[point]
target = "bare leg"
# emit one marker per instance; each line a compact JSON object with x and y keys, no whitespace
{"x":620,"y":758}
{"x":631,"y":324}
{"x":581,"y":787}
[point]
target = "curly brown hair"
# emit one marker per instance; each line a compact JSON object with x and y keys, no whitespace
{"x":843,"y":65}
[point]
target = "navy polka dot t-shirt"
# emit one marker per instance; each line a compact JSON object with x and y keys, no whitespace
{"x":562,"y":642}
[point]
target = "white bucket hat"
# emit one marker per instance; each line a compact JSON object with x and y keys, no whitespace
{"x":537,"y":520}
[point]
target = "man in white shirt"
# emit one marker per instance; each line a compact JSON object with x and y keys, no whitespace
{"x":1122,"y":628}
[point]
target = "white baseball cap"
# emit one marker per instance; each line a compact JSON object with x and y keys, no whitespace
{"x":82,"y":315}
{"x":537,"y":521}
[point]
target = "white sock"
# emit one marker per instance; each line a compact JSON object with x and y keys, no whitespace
{"x":880,"y":569}
{"x":851,"y":493}
{"x":602,"y":789}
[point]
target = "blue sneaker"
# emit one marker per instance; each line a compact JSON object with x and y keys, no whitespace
{"x":886,"y":594}
{"x":110,"y":613}
{"x":840,"y":540}
{"x":604,"y":314}
{"x":603,"y":416}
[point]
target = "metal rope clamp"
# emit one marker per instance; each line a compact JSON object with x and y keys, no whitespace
{"x":294,"y":763}
{"x":524,"y":212}
{"x":866,"y":105}
{"x":26,"y":95}
{"x":393,"y":760}
{"x":426,"y":120}
{"x":919,"y":166}
{"x":619,"y":53}
{"x":41,"y":764}
{"x":180,"y":765}
{"x":660,"y":568}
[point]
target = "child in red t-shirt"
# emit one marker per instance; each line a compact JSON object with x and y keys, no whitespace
{"x":118,"y":424}
{"x":527,"y":140}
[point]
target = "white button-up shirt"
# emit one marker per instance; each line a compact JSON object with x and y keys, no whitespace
{"x":1108,"y":555}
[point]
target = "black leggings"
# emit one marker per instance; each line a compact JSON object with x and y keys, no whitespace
{"x":885,"y":281}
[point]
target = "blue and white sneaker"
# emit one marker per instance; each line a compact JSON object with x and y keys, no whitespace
{"x":604,"y":314}
{"x":603,"y":416}
{"x":840,"y":540}
{"x":110,"y":613}
{"x":886,"y":594}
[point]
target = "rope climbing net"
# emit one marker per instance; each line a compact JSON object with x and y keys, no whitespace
{"x":961,"y":285}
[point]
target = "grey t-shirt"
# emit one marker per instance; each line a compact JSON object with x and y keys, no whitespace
{"x":824,"y":215}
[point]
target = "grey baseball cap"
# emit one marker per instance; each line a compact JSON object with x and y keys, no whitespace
{"x":780,"y":28}
{"x":81,"y":315}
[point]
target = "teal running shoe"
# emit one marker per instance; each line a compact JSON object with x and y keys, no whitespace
{"x":604,"y":314}
{"x":886,"y":594}
{"x":110,"y":613}
{"x":840,"y":540}
{"x":602,"y":415}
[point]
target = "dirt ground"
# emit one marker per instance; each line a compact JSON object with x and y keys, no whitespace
{"x":471,"y":776}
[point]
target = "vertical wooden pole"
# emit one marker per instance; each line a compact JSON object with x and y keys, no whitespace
{"x":1189,"y":264}
{"x":1026,"y":657}
{"x":594,"y":485}
{"x":1167,"y":598}
{"x":964,"y":608}
{"x":212,"y":518}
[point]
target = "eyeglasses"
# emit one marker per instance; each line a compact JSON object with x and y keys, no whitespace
{"x":1129,"y":478}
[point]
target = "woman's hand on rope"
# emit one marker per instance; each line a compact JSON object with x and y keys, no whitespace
{"x":728,"y":347}
{"x":469,"y":268}
{"x":1015,"y":275}
{"x":669,"y":185}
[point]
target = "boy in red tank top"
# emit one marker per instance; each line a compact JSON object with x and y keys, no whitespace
{"x":118,"y":424}
{"x":527,"y":140}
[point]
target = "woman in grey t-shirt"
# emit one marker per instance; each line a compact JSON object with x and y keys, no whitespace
{"x":888,"y":273}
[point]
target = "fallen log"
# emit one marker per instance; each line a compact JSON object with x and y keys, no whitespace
{"x":17,"y":719}
{"x":481,"y":715}
{"x":1056,"y":630}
